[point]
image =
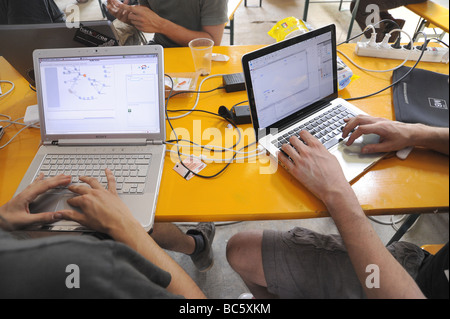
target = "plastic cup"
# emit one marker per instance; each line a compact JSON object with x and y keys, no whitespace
{"x":201,"y":50}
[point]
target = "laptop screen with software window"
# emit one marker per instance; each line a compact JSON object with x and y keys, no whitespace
{"x":100,"y":94}
{"x":292,"y":78}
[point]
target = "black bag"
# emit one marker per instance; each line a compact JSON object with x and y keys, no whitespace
{"x":421,"y":97}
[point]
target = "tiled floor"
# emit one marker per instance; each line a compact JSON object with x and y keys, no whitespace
{"x":252,"y":25}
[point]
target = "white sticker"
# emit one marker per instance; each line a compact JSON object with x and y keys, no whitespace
{"x":193,"y":164}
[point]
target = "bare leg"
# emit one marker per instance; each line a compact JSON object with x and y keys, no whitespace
{"x":244,"y":256}
{"x":170,"y":237}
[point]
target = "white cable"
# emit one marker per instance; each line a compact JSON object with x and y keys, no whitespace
{"x":10,"y":90}
{"x":393,"y":223}
{"x":20,"y":131}
{"x":212,"y":147}
{"x":34,"y":125}
{"x":198,"y":97}
{"x":400,"y":65}
{"x":216,"y":160}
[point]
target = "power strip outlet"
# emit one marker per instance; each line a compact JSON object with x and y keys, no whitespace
{"x":431,"y":54}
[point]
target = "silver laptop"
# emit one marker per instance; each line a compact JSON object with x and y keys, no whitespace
{"x":20,"y":40}
{"x":292,"y":86}
{"x":101,"y":107}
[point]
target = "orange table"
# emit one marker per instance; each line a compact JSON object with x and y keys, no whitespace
{"x":252,"y":189}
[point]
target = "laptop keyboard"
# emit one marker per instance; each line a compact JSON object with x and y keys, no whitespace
{"x":326,"y":127}
{"x":130,"y":170}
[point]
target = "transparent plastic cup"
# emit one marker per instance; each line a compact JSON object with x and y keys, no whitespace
{"x":201,"y":50}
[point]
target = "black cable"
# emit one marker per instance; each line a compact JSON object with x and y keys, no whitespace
{"x":177,"y":140}
{"x":374,"y":25}
{"x":212,"y":113}
{"x":424,"y":47}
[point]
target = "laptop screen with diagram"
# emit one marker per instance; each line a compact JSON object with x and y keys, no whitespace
{"x":112,"y":94}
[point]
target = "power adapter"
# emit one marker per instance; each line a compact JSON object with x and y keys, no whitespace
{"x":31,"y":115}
{"x":239,"y":114}
{"x":242,"y":114}
{"x":234,"y":82}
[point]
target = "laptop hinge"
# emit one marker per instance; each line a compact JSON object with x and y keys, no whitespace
{"x":155,"y":142}
{"x":99,"y":142}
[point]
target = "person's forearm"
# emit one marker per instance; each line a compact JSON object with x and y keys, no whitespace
{"x":366,"y":249}
{"x":435,"y":138}
{"x":137,"y":238}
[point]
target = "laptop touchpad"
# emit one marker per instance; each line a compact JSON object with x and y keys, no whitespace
{"x":51,"y":201}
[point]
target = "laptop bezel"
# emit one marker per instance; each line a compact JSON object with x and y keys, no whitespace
{"x":287,"y":121}
{"x":43,"y":36}
{"x":102,"y":51}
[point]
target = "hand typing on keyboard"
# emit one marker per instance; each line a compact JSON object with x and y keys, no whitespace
{"x":326,"y":127}
{"x":312,"y":164}
{"x":103,"y":210}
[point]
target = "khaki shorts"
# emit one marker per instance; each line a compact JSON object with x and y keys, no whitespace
{"x":301,"y":263}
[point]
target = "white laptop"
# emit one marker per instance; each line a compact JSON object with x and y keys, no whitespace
{"x":292,"y":86}
{"x":101,"y":107}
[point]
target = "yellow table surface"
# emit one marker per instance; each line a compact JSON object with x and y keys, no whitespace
{"x":245,"y":191}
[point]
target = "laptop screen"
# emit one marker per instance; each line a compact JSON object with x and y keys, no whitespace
{"x":289,"y":79}
{"x":113,"y":94}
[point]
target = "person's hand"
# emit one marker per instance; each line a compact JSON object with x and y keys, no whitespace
{"x":143,"y":18}
{"x":103,"y":210}
{"x":16,"y":213}
{"x":313,"y":166}
{"x":393,"y":135}
{"x":116,"y":8}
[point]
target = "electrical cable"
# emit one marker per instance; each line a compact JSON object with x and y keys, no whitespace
{"x":178,"y":152}
{"x":16,"y":123}
{"x":10,"y":90}
{"x":399,"y":80}
{"x":373,"y":26}
{"x":389,"y":70}
{"x":393,"y":223}
{"x":198,"y":95}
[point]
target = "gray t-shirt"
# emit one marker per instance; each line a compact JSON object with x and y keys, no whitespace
{"x":53,"y":267}
{"x":190,"y":14}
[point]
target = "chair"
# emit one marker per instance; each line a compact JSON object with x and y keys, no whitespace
{"x":431,"y":15}
{"x":352,"y":21}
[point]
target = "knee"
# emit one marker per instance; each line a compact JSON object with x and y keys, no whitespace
{"x":243,"y":249}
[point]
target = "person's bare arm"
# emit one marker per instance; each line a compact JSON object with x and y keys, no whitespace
{"x":320,"y":172}
{"x":396,"y":135}
{"x":105,"y":212}
{"x":146,"y":20}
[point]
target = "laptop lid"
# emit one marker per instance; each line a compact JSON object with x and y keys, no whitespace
{"x":104,"y":95}
{"x":20,"y":40}
{"x":291,"y":79}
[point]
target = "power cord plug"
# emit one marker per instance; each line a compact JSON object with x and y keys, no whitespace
{"x":385,"y":42}
{"x":373,"y":40}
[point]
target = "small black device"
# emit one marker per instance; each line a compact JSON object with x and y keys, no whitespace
{"x":239,"y":114}
{"x":234,"y":82}
{"x":2,"y":131}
